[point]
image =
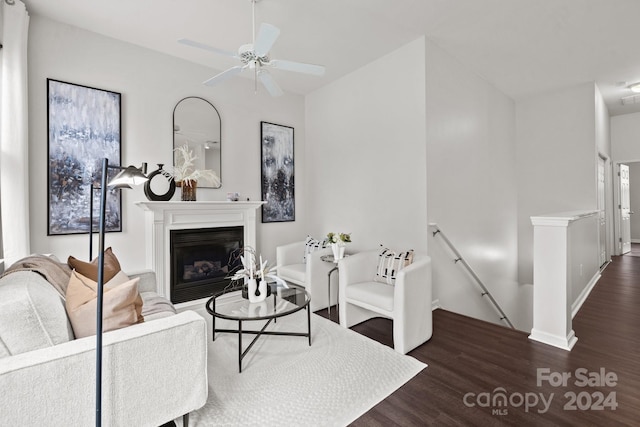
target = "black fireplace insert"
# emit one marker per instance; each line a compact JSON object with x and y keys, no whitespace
{"x":202,"y":260}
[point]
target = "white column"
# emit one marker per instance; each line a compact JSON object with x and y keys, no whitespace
{"x":552,"y":267}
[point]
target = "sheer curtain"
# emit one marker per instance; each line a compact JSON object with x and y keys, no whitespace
{"x":14,"y":141}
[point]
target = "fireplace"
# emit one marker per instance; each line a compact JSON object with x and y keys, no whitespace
{"x":162,"y":218}
{"x":201,"y":260}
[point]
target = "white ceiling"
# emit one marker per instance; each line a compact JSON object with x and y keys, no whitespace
{"x":522,"y":47}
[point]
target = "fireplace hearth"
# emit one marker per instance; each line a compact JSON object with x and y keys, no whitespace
{"x":201,"y":260}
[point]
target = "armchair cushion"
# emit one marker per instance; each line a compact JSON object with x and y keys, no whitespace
{"x":297,"y":272}
{"x":390,"y":263}
{"x":376,"y":294}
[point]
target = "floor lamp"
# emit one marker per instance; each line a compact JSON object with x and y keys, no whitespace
{"x":127,"y":177}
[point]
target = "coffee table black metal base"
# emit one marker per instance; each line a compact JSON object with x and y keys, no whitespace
{"x":270,"y":317}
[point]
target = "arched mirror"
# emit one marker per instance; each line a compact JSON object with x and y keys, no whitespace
{"x":197,"y":125}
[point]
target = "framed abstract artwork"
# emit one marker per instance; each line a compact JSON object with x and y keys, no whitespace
{"x":84,"y":126}
{"x":278,"y":183}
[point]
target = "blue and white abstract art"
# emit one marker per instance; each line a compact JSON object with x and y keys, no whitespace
{"x":84,"y":127}
{"x":277,"y":173}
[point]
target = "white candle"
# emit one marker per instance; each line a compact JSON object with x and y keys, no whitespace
{"x":261,"y":270}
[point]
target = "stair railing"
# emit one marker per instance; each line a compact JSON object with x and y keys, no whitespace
{"x":459,"y":259}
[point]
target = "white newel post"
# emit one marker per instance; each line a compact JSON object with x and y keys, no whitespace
{"x":552,"y":304}
{"x":162,"y":217}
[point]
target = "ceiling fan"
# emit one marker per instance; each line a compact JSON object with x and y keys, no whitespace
{"x":255,"y":56}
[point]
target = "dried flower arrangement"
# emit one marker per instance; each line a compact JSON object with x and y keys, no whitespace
{"x":185,"y":173}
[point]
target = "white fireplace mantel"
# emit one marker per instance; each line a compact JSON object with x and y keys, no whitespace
{"x":162,"y":217}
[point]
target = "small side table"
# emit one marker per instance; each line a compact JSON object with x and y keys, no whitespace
{"x":330,"y":258}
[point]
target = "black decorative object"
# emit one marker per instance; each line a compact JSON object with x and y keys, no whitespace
{"x":245,"y":290}
{"x":277,"y":173}
{"x":160,"y":197}
{"x":84,"y":126}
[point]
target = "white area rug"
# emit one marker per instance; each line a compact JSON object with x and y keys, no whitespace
{"x":286,"y":382}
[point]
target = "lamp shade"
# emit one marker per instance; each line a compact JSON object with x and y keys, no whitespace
{"x":129,"y":176}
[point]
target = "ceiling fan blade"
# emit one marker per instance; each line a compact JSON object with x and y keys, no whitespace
{"x":298,"y":67}
{"x":199,"y":45}
{"x":225,"y":75}
{"x":269,"y":83}
{"x":267,"y":36}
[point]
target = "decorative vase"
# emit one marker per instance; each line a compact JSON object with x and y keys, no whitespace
{"x":341,"y":254}
{"x":335,"y":248}
{"x":257,"y":292}
{"x":188,"y":190}
{"x":262,"y":288}
{"x":148,"y":191}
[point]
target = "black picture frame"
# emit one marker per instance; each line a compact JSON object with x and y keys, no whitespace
{"x":277,"y":172}
{"x":84,"y":126}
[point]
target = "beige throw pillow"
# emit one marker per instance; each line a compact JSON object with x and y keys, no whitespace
{"x":390,"y":263}
{"x":90,"y":269}
{"x":121,"y":304}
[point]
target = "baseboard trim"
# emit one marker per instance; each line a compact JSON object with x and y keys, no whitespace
{"x":565,"y":343}
{"x":575,"y":307}
{"x":435,"y":304}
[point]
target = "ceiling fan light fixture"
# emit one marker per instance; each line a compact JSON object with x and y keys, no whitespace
{"x":255,"y":56}
{"x":635,"y":88}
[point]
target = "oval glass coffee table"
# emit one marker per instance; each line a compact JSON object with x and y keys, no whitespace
{"x":231,"y":305}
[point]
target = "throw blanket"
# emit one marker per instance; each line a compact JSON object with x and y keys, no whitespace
{"x":51,"y":269}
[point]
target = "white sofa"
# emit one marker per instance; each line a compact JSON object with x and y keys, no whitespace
{"x":153,"y":372}
{"x":312,"y":275}
{"x":407,"y":302}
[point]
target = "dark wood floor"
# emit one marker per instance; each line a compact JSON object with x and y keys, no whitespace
{"x":471,"y":356}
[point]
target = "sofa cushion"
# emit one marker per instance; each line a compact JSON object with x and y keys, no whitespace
{"x":373,"y":293}
{"x":294,"y":272}
{"x":32,"y":314}
{"x":122,"y":305}
{"x":155,"y":306}
{"x":390,"y":263}
{"x":90,"y":269}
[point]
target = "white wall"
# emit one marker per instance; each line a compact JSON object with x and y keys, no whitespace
{"x":472,"y":194}
{"x":366,"y":159}
{"x":584,"y":258}
{"x":151,"y":84}
{"x":625,"y":138}
{"x":556,"y":161}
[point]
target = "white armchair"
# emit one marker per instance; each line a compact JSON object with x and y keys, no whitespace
{"x":312,"y":275}
{"x":407,"y":303}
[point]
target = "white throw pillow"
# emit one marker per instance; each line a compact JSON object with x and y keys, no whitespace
{"x":312,"y":245}
{"x":390,"y":263}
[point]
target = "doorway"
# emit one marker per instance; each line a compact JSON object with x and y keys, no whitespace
{"x":602,"y":209}
{"x":627,"y":222}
